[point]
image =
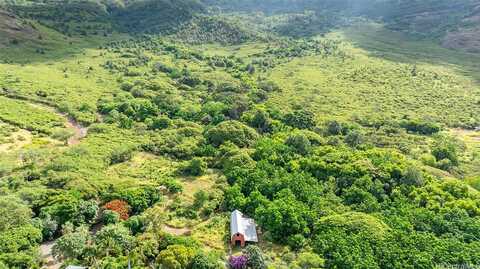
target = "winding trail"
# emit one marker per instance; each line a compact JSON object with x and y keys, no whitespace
{"x":79,"y":131}
{"x":46,"y":255}
{"x":176,"y":231}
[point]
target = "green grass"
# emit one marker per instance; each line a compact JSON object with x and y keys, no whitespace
{"x":367,"y":87}
{"x":29,"y":117}
{"x":383,"y":43}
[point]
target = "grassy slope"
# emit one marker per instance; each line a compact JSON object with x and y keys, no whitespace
{"x":366,"y":86}
{"x":395,"y":46}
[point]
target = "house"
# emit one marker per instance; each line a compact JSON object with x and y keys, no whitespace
{"x":242,"y":229}
{"x":75,"y":267}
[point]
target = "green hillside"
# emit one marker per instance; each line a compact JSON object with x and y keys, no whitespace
{"x":130,"y":130}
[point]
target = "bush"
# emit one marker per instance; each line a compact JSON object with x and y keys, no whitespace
{"x":233,"y":131}
{"x":113,"y":240}
{"x":201,"y":261}
{"x":300,"y":143}
{"x":159,"y":123}
{"x":110,"y":217}
{"x":121,"y":155}
{"x":297,"y":241}
{"x":120,"y":207}
{"x":308,"y":260}
{"x":195,"y":167}
{"x":300,"y":119}
{"x":255,"y":259}
{"x":354,"y":139}
{"x":238,"y":262}
{"x":416,"y":126}
{"x":175,"y":256}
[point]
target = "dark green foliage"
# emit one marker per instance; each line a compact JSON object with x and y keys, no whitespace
{"x":139,"y":198}
{"x":354,"y":139}
{"x":110,"y":217}
{"x":425,"y":128}
{"x":231,"y":131}
{"x":215,"y":29}
{"x":201,"y":261}
{"x":300,"y":119}
{"x":446,"y":150}
{"x":300,"y":143}
{"x":195,"y":167}
{"x":255,"y":259}
{"x":121,"y":155}
{"x":136,"y":224}
{"x":156,"y":16}
{"x":159,"y":123}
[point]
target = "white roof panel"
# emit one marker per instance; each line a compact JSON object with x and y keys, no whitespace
{"x":243,"y":225}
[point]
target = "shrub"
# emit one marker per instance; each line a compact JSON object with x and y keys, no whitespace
{"x":255,"y":259}
{"x":233,"y":131}
{"x":201,"y":261}
{"x":300,"y":119}
{"x":354,"y":139}
{"x":120,"y":207}
{"x":121,"y":155}
{"x":110,"y":217}
{"x":113,"y":239}
{"x":308,"y":260}
{"x":175,"y":256}
{"x":195,"y":167}
{"x":300,"y":143}
{"x":238,"y":262}
{"x":159,"y":123}
{"x":416,"y":126}
{"x":335,"y":128}
{"x":73,"y":244}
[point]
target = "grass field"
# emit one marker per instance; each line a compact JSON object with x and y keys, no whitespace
{"x":368,"y":86}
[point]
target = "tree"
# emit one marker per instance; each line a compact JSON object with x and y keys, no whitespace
{"x":110,"y":217}
{"x":301,"y":119}
{"x":255,"y":259}
{"x":308,"y":260}
{"x":114,"y":239}
{"x":195,"y":167}
{"x":354,"y":139}
{"x":120,"y":207}
{"x":300,"y":143}
{"x":233,"y":131}
{"x":202,"y":261}
{"x":176,"y":257}
{"x":73,"y":244}
{"x":13,"y":212}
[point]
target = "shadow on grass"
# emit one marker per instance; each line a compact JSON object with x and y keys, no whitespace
{"x":399,"y":47}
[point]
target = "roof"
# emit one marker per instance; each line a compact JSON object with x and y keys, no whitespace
{"x":75,"y":267}
{"x":240,"y":224}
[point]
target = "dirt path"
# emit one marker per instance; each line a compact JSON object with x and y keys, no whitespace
{"x":176,"y":231}
{"x":46,"y":255}
{"x":79,"y":131}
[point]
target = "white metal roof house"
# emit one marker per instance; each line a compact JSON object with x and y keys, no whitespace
{"x":75,"y":267}
{"x":242,"y":229}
